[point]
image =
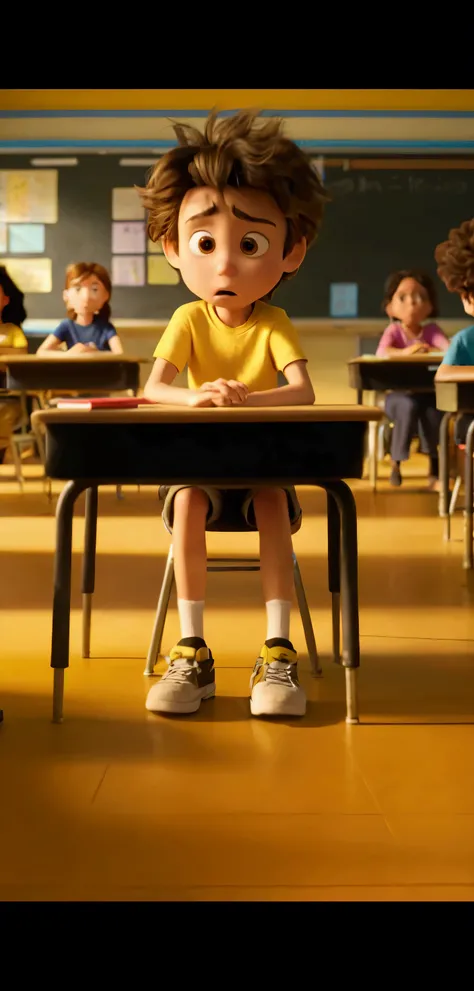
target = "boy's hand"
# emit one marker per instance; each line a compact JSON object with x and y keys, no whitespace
{"x":227,"y":392}
{"x":199,"y":399}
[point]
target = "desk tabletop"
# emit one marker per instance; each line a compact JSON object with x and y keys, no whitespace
{"x":99,"y":358}
{"x":186,"y":414}
{"x":434,"y":357}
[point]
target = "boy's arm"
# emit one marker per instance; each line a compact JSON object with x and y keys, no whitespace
{"x":298,"y":392}
{"x":159,"y":388}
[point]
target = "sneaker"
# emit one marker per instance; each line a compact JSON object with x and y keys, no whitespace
{"x":274,"y":686}
{"x":188,"y":680}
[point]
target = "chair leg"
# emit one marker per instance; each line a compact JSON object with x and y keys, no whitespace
{"x":160,"y":618}
{"x":373,"y":454}
{"x":17,"y":464}
{"x":453,"y":501}
{"x":306,"y":621}
{"x":118,"y":492}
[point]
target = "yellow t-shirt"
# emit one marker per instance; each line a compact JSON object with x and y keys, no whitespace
{"x":12,"y":336}
{"x":253,"y":353}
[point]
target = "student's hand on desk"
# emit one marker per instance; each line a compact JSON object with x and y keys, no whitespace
{"x":418,"y":347}
{"x":226,"y":392}
{"x":82,"y":348}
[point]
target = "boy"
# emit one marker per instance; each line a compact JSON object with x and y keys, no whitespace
{"x":455,"y":259}
{"x":235,"y":209}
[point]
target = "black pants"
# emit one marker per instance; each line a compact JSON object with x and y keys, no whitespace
{"x":413,"y":414}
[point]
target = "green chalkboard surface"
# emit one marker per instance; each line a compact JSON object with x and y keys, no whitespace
{"x":377,"y":221}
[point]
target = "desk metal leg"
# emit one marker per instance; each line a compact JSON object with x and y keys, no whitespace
{"x":305,"y":614}
{"x":443,"y":502}
{"x":88,"y":567}
{"x":350,"y":593}
{"x":373,"y":465}
{"x":468,"y":497}
{"x":161,"y":610}
{"x":334,"y":572}
{"x":62,"y":592}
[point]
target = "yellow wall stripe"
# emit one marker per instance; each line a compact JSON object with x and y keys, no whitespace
{"x":266,"y":99}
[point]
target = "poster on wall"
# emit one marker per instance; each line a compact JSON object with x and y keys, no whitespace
{"x":343,"y":299}
{"x":26,"y":239}
{"x":128,"y":270}
{"x":29,"y":196}
{"x":126,"y":204}
{"x":128,"y":238}
{"x":31,"y":274}
{"x":3,"y":238}
{"x":160,"y":272}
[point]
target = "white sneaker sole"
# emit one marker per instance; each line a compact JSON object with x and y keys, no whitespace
{"x":173,"y":705}
{"x":288,"y":707}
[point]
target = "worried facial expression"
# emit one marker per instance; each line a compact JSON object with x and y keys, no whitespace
{"x":410,"y":303}
{"x":231,"y":244}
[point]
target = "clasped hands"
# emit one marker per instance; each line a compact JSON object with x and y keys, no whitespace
{"x":221,"y":392}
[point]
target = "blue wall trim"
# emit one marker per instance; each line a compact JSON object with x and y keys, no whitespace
{"x":73,"y":144}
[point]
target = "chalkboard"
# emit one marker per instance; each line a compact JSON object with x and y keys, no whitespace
{"x":377,"y":221}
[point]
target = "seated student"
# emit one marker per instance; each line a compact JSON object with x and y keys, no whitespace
{"x":409,"y":299}
{"x":88,"y":327}
{"x":12,"y":341}
{"x":455,"y":259}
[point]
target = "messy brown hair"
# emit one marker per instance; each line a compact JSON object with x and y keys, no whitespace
{"x":393,"y":281}
{"x":455,"y":259}
{"x":78,"y":272}
{"x":236,"y":151}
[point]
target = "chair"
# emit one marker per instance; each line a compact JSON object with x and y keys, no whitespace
{"x":228,"y":564}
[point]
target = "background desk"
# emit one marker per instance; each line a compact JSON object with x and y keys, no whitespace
{"x":406,"y":373}
{"x":306,"y":445}
{"x":104,"y":372}
{"x":453,"y":396}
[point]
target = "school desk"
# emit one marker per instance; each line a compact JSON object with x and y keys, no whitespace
{"x":92,"y":372}
{"x":455,"y":395}
{"x":305,"y":445}
{"x":406,"y":373}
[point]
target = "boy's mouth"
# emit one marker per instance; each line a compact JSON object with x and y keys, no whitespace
{"x":225,"y":292}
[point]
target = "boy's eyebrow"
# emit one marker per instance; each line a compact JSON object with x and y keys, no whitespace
{"x":245,"y":216}
{"x":204,"y":213}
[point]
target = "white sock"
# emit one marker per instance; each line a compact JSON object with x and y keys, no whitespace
{"x":278,"y":619}
{"x":191,"y":618}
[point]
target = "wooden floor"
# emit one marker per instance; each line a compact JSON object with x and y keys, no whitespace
{"x":120,"y":804}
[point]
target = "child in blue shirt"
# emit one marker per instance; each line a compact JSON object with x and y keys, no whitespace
{"x":88,"y":328}
{"x":455,"y":259}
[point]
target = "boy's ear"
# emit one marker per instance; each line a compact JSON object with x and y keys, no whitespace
{"x":295,"y":257}
{"x":170,"y":253}
{"x":65,"y":296}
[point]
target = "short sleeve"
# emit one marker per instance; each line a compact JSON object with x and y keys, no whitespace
{"x":175,"y":344}
{"x":438,"y":339}
{"x":457,"y":353}
{"x":62,"y":332}
{"x":388,"y":339}
{"x":109,"y":331}
{"x":284,"y":342}
{"x":18,"y":338}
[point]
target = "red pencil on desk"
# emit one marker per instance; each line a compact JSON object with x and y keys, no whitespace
{"x":102,"y":402}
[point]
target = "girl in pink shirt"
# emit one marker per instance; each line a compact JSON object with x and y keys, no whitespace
{"x":409,"y":300}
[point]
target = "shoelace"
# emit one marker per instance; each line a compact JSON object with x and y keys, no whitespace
{"x":281,"y":675}
{"x":180,"y":668}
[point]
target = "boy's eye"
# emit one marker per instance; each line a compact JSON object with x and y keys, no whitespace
{"x":201,"y":243}
{"x":254,"y":245}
